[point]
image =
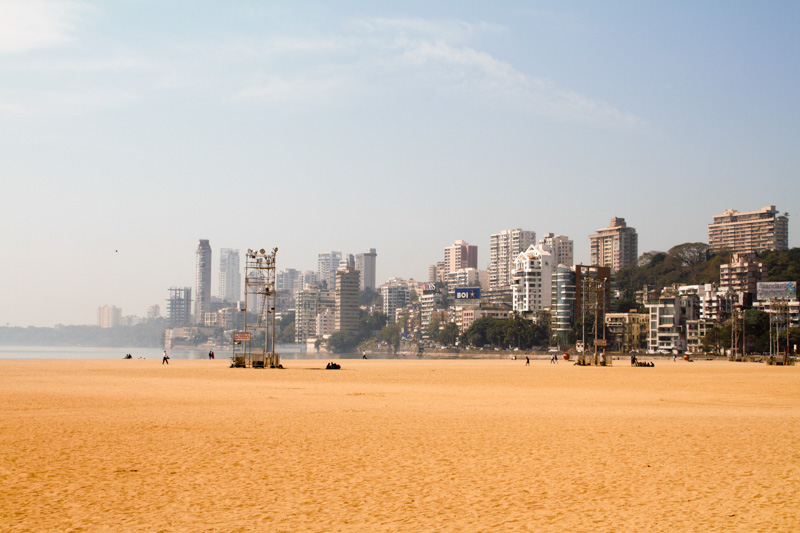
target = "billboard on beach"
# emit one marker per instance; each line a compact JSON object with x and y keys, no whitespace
{"x":776,"y":289}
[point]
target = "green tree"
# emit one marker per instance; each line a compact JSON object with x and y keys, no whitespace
{"x":626,"y":305}
{"x":370,"y":325}
{"x":448,"y":335}
{"x":369,"y":297}
{"x":432,"y":331}
{"x":576,"y":333}
{"x":286,"y":336}
{"x":343,"y":342}
{"x":523,"y":334}
{"x":717,"y":340}
{"x":483,"y":332}
{"x":782,"y":265}
{"x":390,"y":334}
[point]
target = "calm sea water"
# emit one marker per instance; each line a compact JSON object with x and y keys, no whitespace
{"x":287,"y":351}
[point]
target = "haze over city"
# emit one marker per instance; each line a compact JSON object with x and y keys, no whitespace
{"x":134,"y":129}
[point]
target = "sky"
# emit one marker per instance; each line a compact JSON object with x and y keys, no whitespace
{"x":130,"y":129}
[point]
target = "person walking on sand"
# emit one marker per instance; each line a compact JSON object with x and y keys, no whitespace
{"x":527,"y":361}
{"x":165,"y":359}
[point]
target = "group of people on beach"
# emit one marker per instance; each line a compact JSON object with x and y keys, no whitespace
{"x":636,"y":362}
{"x":333,"y":366}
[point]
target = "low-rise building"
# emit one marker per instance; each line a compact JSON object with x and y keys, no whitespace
{"x":627,"y":331}
{"x":715,"y":305}
{"x":471,"y":314}
{"x":696,"y":330}
{"x":668,"y":318}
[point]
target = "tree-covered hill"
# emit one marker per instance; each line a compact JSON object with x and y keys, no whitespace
{"x":148,"y":334}
{"x":693,"y":263}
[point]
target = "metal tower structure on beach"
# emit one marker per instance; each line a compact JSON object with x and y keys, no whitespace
{"x":255,"y":346}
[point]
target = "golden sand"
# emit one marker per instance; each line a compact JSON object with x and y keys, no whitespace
{"x":99,"y":445}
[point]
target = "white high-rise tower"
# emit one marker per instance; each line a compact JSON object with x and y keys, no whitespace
{"x":230,"y":276}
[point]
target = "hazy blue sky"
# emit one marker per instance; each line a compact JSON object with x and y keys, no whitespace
{"x":143,"y":126}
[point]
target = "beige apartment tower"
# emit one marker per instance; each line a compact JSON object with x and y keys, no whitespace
{"x":616,"y":246}
{"x":504,"y":247}
{"x":741,"y":275}
{"x":750,"y":232}
{"x":346,"y":299}
{"x":460,"y":255}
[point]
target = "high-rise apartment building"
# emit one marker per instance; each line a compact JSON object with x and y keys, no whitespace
{"x":437,"y":273}
{"x":230,"y":276}
{"x":741,"y":276}
{"x":460,"y":255}
{"x":365,"y":263}
{"x":562,"y":307}
{"x":504,"y":248}
{"x":202,"y":303}
{"x":109,"y":316}
{"x":309,"y":277}
{"x":532,"y":280}
{"x":287,"y":280}
{"x":347,"y":299}
{"x":753,"y":231}
{"x":179,"y":306}
{"x":310,"y":303}
{"x":616,"y":246}
{"x":395,"y":295}
{"x":327,"y":263}
{"x":560,"y":247}
{"x":347,"y":261}
{"x":465,"y":277}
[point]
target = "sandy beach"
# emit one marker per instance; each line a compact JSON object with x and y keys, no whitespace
{"x":398,"y":445}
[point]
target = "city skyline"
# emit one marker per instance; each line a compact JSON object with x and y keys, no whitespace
{"x":131,"y":130}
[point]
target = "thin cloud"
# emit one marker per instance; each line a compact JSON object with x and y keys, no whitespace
{"x":422,"y":52}
{"x":284,"y":90}
{"x":33,"y":24}
{"x":111,"y":63}
{"x":48,"y":103}
{"x":452,"y":31}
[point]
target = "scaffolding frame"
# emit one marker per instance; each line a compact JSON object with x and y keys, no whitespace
{"x":737,"y":333}
{"x":593,"y":298}
{"x":779,"y":316}
{"x":260,"y":291}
